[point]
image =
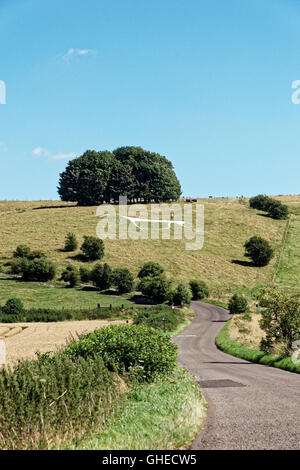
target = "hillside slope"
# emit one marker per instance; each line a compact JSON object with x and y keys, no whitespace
{"x":228,"y":224}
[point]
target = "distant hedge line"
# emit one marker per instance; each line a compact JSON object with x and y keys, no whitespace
{"x":226,"y":344}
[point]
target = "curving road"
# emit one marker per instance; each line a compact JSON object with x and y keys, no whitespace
{"x":250,"y":406}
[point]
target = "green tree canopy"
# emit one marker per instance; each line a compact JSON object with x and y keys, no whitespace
{"x":96,"y":177}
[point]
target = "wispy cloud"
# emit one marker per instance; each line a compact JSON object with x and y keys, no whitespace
{"x":42,"y":152}
{"x":71,"y":53}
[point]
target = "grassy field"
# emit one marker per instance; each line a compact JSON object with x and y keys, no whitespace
{"x":228,"y":224}
{"x":41,"y":295}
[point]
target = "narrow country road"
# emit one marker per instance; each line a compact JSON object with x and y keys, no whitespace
{"x":251,"y":406}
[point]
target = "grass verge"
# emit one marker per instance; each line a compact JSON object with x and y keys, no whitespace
{"x":166,"y":414}
{"x":226,"y":344}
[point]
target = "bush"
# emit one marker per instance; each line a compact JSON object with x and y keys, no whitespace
{"x":124,"y":347}
{"x":199,"y":290}
{"x":13,"y":306}
{"x":259,"y":251}
{"x":71,"y":275}
{"x":22,"y":251}
{"x":101,"y":276}
{"x":71,"y":243}
{"x":36,"y":254}
{"x":123,"y":280}
{"x":41,"y":270}
{"x":150,"y":269}
{"x":53,"y":399}
{"x":276,"y":210}
{"x":157,"y":288}
{"x":182,"y":295}
{"x":92,"y":248}
{"x":237,"y":304}
{"x":16,"y":265}
{"x":153,"y":318}
{"x":259,"y":202}
{"x":85,"y":274}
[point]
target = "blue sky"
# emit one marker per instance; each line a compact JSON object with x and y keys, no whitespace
{"x":207,"y":83}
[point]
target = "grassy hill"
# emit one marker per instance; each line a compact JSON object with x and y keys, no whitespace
{"x":229,"y":223}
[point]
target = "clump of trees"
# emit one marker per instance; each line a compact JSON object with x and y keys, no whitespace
{"x":274,"y":208}
{"x":259,"y":250}
{"x":71,"y":275}
{"x":280,"y":319}
{"x":139,"y":174}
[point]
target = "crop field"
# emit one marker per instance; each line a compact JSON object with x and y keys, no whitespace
{"x":23,"y":340}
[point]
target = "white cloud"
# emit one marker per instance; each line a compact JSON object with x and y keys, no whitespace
{"x":42,"y":152}
{"x":77,"y":53}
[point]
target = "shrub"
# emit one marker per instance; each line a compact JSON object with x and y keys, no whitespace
{"x":101,"y":276}
{"x":53,"y":399}
{"x":150,"y":269}
{"x":259,"y":202}
{"x":157,"y":288}
{"x":71,"y":275}
{"x":22,"y":251}
{"x":182,"y":295}
{"x":92,"y":248}
{"x":237,"y":304}
{"x":123,"y":280}
{"x":154,"y":318}
{"x":71,"y":243}
{"x":259,"y":251}
{"x":199,"y":290}
{"x":13,"y":306}
{"x":123,"y":347}
{"x":85,"y":274}
{"x":41,"y":270}
{"x":36,"y":254}
{"x":276,"y":210}
{"x":16,"y":265}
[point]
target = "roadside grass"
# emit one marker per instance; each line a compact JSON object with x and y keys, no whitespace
{"x":40,"y":295}
{"x":228,"y":224}
{"x":166,"y":414}
{"x":227,"y":345}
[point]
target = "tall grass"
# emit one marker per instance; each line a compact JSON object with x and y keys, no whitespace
{"x":51,"y":399}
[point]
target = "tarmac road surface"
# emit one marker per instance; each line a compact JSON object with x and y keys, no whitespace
{"x":251,"y":406}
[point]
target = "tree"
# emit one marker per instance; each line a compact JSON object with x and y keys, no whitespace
{"x":199,"y":290}
{"x":280,"y":319}
{"x":154,"y":176}
{"x":158,"y":288}
{"x":101,"y":276}
{"x":237,"y":304}
{"x":71,"y":243}
{"x":85,"y":274}
{"x":150,"y":269}
{"x":259,"y":251}
{"x":182,"y":295}
{"x":86,"y":179}
{"x":92,"y":248}
{"x":71,"y":275}
{"x":123,"y":280}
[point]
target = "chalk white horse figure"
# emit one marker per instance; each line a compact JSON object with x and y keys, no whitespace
{"x":136,"y":220}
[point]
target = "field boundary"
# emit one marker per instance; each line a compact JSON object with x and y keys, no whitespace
{"x":229,"y":346}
